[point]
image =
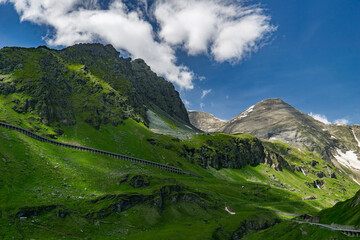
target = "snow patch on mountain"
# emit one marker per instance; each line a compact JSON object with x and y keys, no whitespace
{"x":348,"y":159}
{"x":244,"y":114}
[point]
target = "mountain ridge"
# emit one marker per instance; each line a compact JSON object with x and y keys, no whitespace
{"x":96,"y":85}
{"x":88,"y":98}
{"x":274,"y":119}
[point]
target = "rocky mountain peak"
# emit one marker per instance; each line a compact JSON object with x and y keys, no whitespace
{"x":90,"y":81}
{"x":274,"y":104}
{"x":93,"y":50}
{"x":274,"y":119}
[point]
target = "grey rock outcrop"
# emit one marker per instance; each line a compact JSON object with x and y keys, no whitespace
{"x":247,"y":227}
{"x":205,"y":121}
{"x":55,"y":92}
{"x":136,"y":181}
{"x":273,"y":119}
{"x":34,"y":211}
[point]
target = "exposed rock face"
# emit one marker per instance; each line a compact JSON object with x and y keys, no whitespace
{"x":136,"y":181}
{"x":233,"y":152}
{"x":275,"y":161}
{"x":146,"y":88}
{"x":89,"y":81}
{"x":119,"y":203}
{"x":34,"y":211}
{"x":273,"y":119}
{"x":227,"y":153}
{"x":318,"y":183}
{"x":205,"y":121}
{"x":247,"y":227}
{"x":309,"y":198}
{"x":61,"y":213}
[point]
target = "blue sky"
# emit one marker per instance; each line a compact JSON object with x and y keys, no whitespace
{"x":308,"y":53}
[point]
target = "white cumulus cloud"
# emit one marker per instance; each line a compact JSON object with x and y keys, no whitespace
{"x":205,"y":92}
{"x":223,"y":29}
{"x":323,"y":119}
{"x":319,"y":117}
{"x":341,"y":121}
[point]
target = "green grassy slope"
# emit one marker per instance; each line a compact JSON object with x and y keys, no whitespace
{"x":343,"y":213}
{"x":293,"y":230}
{"x":87,"y":95}
{"x":40,"y":174}
{"x":49,"y":87}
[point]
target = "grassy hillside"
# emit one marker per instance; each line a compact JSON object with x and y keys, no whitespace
{"x":343,"y":213}
{"x":87,"y":95}
{"x":293,"y":230}
{"x":49,"y":87}
{"x":86,"y":187}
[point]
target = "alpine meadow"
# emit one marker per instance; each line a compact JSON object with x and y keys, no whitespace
{"x":165,"y":119}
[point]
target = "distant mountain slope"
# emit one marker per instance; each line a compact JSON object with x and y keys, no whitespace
{"x":273,"y":119}
{"x":88,"y":82}
{"x":205,"y":121}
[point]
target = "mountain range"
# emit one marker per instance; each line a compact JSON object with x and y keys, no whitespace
{"x":273,"y":119}
{"x":78,"y":124}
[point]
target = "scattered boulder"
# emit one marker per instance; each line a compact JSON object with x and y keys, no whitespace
{"x":59,"y":131}
{"x":167,"y":190}
{"x":127,"y":202}
{"x":136,"y":181}
{"x":309,"y":198}
{"x":34,"y":211}
{"x":152,"y":141}
{"x":314,"y":163}
{"x":301,"y":169}
{"x":320,"y":174}
{"x":318,"y":183}
{"x":85,"y":69}
{"x":333,"y":175}
{"x":61,"y":213}
{"x":248,"y":226}
{"x":159,"y":203}
{"x":188,"y":197}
